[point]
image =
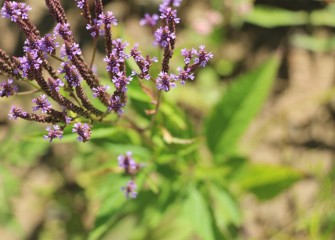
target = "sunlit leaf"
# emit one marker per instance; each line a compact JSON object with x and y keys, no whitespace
{"x":270,"y":17}
{"x":197,"y":212}
{"x":267,"y":181}
{"x":225,"y":208}
{"x":239,"y":105}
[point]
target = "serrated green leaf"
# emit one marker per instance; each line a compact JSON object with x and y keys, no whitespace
{"x":239,"y":105}
{"x":270,"y":17}
{"x":267,"y":181}
{"x":196,"y":211}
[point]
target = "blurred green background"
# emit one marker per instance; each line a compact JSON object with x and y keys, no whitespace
{"x":246,"y":151}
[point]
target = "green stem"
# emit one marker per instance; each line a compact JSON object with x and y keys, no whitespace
{"x":158,"y":103}
{"x":27,"y":92}
{"x":94,"y":52}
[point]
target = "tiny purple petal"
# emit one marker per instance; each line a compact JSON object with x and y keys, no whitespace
{"x":165,"y":81}
{"x":164,"y":36}
{"x":121,"y":81}
{"x":80,"y":3}
{"x":116,"y":105}
{"x":56,"y":132}
{"x":149,"y":20}
{"x":13,"y":10}
{"x":7,"y":88}
{"x":47,"y":44}
{"x":108,"y":19}
{"x":42,"y":103}
{"x":83,"y":131}
{"x":16,"y":112}
{"x":130,"y":189}
{"x":127,"y":162}
{"x":100,"y":91}
{"x":184,"y":75}
{"x":170,"y":15}
{"x":62,"y":30}
{"x":203,"y":56}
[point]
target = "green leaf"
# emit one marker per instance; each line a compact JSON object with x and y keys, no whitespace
{"x":270,"y":17}
{"x":226,"y":209}
{"x":324,"y":17}
{"x":197,"y":213}
{"x":267,"y":181}
{"x":239,"y":105}
{"x":313,"y":43}
{"x":113,"y":200}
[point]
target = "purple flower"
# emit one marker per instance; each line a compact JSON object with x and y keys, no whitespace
{"x":121,"y":81}
{"x":14,"y":10}
{"x":113,"y":63}
{"x":42,"y":103}
{"x":80,"y":3}
{"x":99,"y":91}
{"x":163,"y":36}
{"x":170,"y":15}
{"x":116,"y":104}
{"x":203,"y":56}
{"x":16,"y":112}
{"x":149,"y":20}
{"x":119,"y":47}
{"x":108,"y":19}
{"x":68,"y":119}
{"x":69,"y":51}
{"x":83,"y":131}
{"x":127,"y":162}
{"x":143,"y":63}
{"x":7,"y":88}
{"x":47,"y":44}
{"x":55,"y":85}
{"x":168,"y":3}
{"x":184,"y":75}
{"x":56,"y":132}
{"x":71,"y":74}
{"x":130,"y":189}
{"x":30,"y":46}
{"x":62,"y":30}
{"x":95,"y":28}
{"x":188,"y":55}
{"x":30,"y":62}
{"x":165,"y":81}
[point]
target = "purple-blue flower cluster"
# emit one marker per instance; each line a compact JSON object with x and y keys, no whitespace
{"x":7,"y":88}
{"x":15,"y":11}
{"x":65,"y":89}
{"x":131,"y":168}
{"x":83,"y":130}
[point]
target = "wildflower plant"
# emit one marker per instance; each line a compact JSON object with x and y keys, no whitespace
{"x":66,"y":88}
{"x":65,"y":84}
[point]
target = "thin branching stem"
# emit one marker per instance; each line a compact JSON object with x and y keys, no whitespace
{"x":94,"y":52}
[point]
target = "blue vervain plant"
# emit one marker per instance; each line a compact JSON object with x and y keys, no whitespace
{"x":65,"y":84}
